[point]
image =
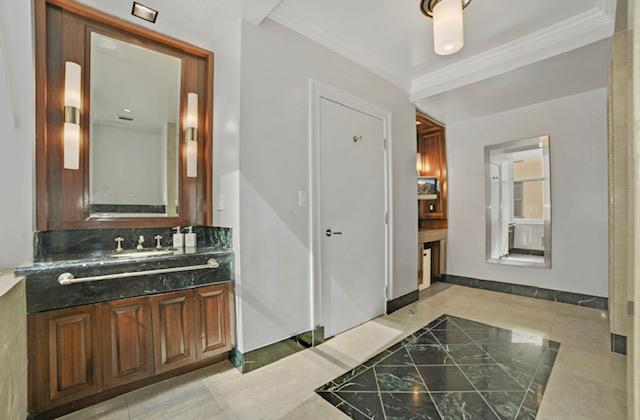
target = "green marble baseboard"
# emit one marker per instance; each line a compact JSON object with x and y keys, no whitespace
{"x":255,"y":359}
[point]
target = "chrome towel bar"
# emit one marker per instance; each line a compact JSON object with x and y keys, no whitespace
{"x":66,"y":279}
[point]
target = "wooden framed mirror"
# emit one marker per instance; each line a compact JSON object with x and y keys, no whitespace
{"x":123,"y":123}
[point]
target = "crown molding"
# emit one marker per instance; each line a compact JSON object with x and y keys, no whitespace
{"x":294,"y":19}
{"x":575,"y":32}
{"x":580,"y":30}
{"x":255,"y":11}
{"x":608,"y":7}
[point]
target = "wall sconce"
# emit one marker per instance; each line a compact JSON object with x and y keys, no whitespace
{"x":419,"y":164}
{"x":191,"y":134}
{"x":72,"y":105}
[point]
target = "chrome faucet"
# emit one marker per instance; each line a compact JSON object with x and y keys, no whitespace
{"x":158,"y":239}
{"x":119,"y":240}
{"x":140,"y":242}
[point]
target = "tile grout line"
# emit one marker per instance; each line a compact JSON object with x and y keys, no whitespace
{"x":465,"y":375}
{"x":529,"y":386}
{"x":490,"y":355}
{"x":375,"y":378}
{"x":420,"y":374}
{"x":526,"y":391}
{"x":346,"y":403}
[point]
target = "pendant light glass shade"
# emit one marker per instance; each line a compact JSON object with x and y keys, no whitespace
{"x":448,"y":27}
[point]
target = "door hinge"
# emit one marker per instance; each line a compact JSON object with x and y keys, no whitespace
{"x":386,"y":218}
{"x":386,"y":144}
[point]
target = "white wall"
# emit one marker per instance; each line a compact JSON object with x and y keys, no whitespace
{"x":226,"y":145}
{"x":274,"y":238}
{"x":17,"y":133}
{"x":578,"y":128}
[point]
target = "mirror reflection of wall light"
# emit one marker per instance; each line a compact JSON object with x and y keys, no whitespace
{"x":191,"y":128}
{"x":72,"y":105}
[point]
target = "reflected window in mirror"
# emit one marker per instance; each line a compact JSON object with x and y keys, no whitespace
{"x":518,"y":203}
{"x":134,"y":130}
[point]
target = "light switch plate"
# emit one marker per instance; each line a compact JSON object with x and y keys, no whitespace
{"x":220,"y":202}
{"x":303,"y":198}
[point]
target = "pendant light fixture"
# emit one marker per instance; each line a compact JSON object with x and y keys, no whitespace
{"x":448,"y":24}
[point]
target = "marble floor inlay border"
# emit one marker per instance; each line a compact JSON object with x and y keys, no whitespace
{"x":452,"y":368}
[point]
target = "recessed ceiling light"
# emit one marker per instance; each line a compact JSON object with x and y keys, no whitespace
{"x":144,"y":12}
{"x":127,"y":110}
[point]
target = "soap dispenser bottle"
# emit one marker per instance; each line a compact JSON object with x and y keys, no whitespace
{"x":178,"y":238}
{"x":190,"y":238}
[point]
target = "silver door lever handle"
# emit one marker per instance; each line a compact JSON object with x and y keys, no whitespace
{"x":329,"y":232}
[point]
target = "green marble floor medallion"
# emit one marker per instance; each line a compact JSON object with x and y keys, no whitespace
{"x":451,"y":369}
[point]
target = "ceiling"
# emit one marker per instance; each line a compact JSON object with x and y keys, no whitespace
{"x":576,"y":71}
{"x":205,"y":23}
{"x":393,"y":39}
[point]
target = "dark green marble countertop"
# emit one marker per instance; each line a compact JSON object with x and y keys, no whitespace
{"x":106,"y":260}
{"x":45,"y":293}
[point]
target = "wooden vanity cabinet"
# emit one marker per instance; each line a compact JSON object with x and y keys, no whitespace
{"x":64,"y":356}
{"x":127,"y":346}
{"x":94,"y":352}
{"x":173,"y":330}
{"x":212,"y":326}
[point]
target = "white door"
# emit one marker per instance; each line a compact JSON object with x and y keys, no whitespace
{"x":352,"y":218}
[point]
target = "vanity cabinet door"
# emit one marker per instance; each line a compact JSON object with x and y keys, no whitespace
{"x":172,"y":316}
{"x":64,"y":356}
{"x":212,"y":320}
{"x":125,"y":329}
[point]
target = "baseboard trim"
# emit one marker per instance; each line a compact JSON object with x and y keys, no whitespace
{"x":255,"y":359}
{"x":571,"y":298}
{"x":618,"y":344}
{"x":402,"y":301}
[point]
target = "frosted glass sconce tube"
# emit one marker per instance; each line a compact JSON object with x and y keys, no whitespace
{"x":72,"y":106}
{"x":191,"y":135}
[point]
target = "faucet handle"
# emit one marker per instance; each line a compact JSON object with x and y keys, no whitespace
{"x":158,"y":239}
{"x":119,"y":240}
{"x":140,"y":242}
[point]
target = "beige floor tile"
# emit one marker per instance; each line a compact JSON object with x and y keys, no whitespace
{"x":587,"y":381}
{"x":607,"y":368}
{"x":581,"y":333}
{"x":113,"y":409}
{"x":172,"y":398}
{"x":314,"y":408}
{"x":581,"y":398}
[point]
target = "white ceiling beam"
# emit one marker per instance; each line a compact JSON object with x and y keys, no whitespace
{"x":255,"y":11}
{"x":578,"y":31}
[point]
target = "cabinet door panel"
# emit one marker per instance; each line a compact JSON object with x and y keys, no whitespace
{"x":64,"y":360}
{"x":126,"y":333}
{"x":212,"y":320}
{"x":172,"y":315}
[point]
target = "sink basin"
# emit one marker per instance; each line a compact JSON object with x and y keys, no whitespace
{"x":142,"y":254}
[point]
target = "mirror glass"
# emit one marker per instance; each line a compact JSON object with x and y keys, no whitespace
{"x":518,"y":202}
{"x":134,"y":130}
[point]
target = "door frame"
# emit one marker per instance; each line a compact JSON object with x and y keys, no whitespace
{"x":317,"y":91}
